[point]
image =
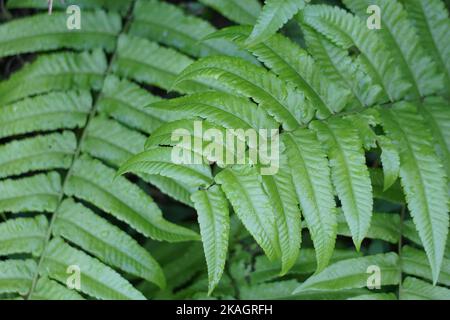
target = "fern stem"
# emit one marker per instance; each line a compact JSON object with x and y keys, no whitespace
{"x":77,"y":153}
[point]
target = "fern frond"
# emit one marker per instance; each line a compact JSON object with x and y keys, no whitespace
{"x":252,"y":205}
{"x":436,"y":113}
{"x":280,"y":100}
{"x":46,"y":152}
{"x":57,"y":71}
{"x":390,"y":160}
{"x":349,"y":173}
{"x":126,"y":102}
{"x":239,"y":11}
{"x":169,"y":25}
{"x":352,"y":273}
{"x":23,"y":235}
{"x":159,"y":162}
{"x":338,"y":66}
{"x":98,"y":280}
{"x":346,"y":30}
{"x":221,"y":108}
{"x":416,"y":289}
{"x":47,"y":289}
{"x":281,"y":192}
{"x":432,"y":23}
{"x":43,"y":33}
{"x":88,"y":231}
{"x":273,"y":16}
{"x":414,"y":262}
{"x":214,"y":221}
{"x":48,"y":112}
{"x":133,"y":206}
{"x":305,"y":265}
{"x":383,"y":226}
{"x":311,"y":177}
{"x":422,"y":177}
{"x":39,"y":193}
{"x":114,"y":5}
{"x":147,"y":62}
{"x":16,"y":276}
{"x":293,"y":64}
{"x":399,"y":35}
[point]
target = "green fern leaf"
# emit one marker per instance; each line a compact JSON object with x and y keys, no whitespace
{"x":399,"y":35}
{"x":214,"y":221}
{"x":126,"y":102}
{"x":281,"y":192}
{"x":273,"y":16}
{"x":346,"y":30}
{"x":252,"y":205}
{"x":338,"y":66}
{"x":383,"y":226}
{"x":58,"y":71}
{"x":46,"y":152}
{"x":39,"y":193}
{"x":433,"y":25}
{"x":352,"y":273}
{"x":415,"y":289}
{"x":280,"y":100}
{"x":422,"y":177}
{"x":159,"y":162}
{"x":16,"y":276}
{"x":168,"y":24}
{"x":23,"y":235}
{"x":218,"y":107}
{"x":47,"y":289}
{"x":349,"y":173}
{"x":414,"y":262}
{"x":82,"y":227}
{"x":133,"y":207}
{"x":96,"y":279}
{"x":311,"y":177}
{"x":147,"y":62}
{"x":44,"y":33}
{"x":44,"y":113}
{"x":390,"y":160}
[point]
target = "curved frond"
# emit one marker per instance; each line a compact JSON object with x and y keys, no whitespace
{"x":311,"y":177}
{"x":43,"y":33}
{"x":349,"y":173}
{"x":39,"y":193}
{"x":273,"y":16}
{"x":132,"y":206}
{"x":422,"y":177}
{"x":96,"y":279}
{"x":431,"y":20}
{"x":46,"y":152}
{"x":416,"y":289}
{"x":346,"y":30}
{"x":23,"y":235}
{"x":88,"y":231}
{"x":252,"y":205}
{"x":400,"y":37}
{"x":56,"y":71}
{"x":168,"y":24}
{"x":353,"y":273}
{"x":214,"y":221}
{"x":147,"y":62}
{"x":280,"y":100}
